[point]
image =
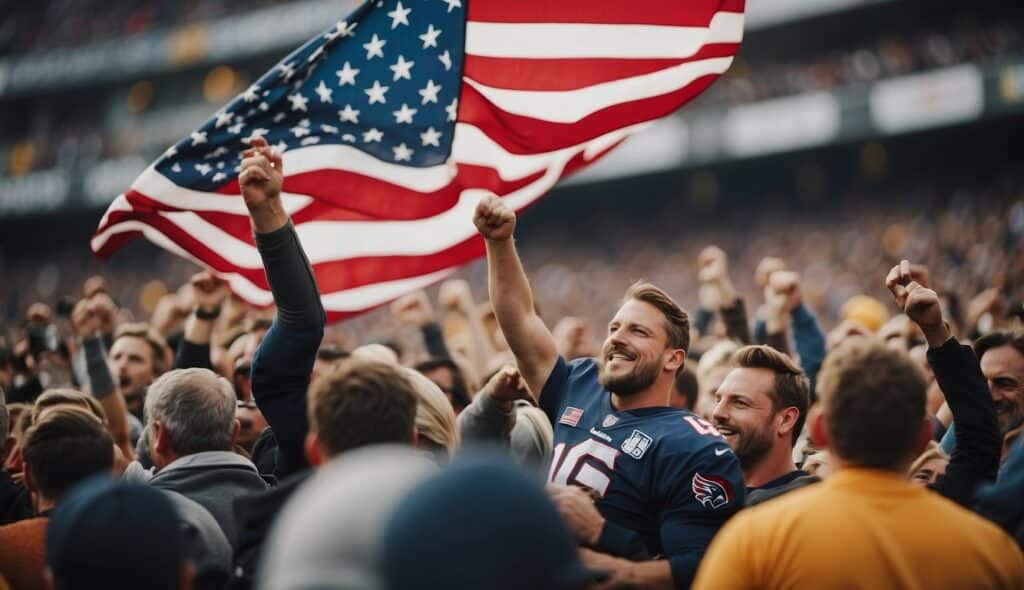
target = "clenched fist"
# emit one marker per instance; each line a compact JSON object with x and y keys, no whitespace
{"x":260,"y":174}
{"x":920,"y":303}
{"x":494,"y":219}
{"x":413,"y":309}
{"x":208,"y":291}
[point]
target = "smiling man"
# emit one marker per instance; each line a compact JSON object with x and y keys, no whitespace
{"x":761,"y":408}
{"x":664,"y":480}
{"x":1002,"y":362}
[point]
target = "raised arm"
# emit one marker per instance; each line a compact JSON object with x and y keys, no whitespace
{"x":283,"y":364}
{"x":976,"y":458}
{"x":511,"y":297}
{"x":209,"y":293}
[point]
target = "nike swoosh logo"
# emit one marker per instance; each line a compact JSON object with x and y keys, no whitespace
{"x":720,"y":452}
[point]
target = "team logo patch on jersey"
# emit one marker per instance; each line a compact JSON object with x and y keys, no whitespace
{"x":711,"y":491}
{"x":609,"y":421}
{"x":571,"y":416}
{"x":637,"y":444}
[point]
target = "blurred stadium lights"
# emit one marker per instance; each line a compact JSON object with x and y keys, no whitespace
{"x":766,"y":13}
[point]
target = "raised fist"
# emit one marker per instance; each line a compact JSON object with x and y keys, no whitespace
{"x":507,"y":385}
{"x":261,"y":174}
{"x":494,"y":219}
{"x":920,"y":303}
{"x":765,"y":268}
{"x":713,"y":264}
{"x":208,"y":291}
{"x":455,"y":295}
{"x":39,"y":313}
{"x":414,"y":309}
{"x":784,"y":290}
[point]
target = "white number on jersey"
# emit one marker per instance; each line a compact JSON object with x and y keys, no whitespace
{"x":574,"y":467}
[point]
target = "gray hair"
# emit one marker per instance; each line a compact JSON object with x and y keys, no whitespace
{"x":196,"y":407}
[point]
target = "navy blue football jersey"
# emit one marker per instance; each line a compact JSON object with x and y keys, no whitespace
{"x":667,"y":480}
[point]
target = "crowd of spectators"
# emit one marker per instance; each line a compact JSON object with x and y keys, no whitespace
{"x":38,"y":26}
{"x":753,"y":78}
{"x":822,"y":385}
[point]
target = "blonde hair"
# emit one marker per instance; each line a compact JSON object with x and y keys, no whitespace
{"x":435,"y":418}
{"x":719,"y":355}
{"x":933,"y":451}
{"x":540,"y":423}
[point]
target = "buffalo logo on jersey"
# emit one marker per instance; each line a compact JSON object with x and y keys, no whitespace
{"x":711,"y":491}
{"x":637,"y":444}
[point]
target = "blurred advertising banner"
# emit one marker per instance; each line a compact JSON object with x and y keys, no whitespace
{"x":945,"y":97}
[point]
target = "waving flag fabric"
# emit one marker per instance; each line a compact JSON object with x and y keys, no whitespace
{"x":395,"y":121}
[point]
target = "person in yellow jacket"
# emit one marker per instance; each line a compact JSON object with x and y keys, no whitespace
{"x":866,"y":526}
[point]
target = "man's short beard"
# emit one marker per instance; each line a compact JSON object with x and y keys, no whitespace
{"x":637,"y":380}
{"x":1009,"y":420}
{"x":752,"y":447}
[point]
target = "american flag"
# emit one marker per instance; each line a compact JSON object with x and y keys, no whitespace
{"x":395,"y":121}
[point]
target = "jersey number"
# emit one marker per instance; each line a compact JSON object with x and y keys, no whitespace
{"x":702,"y":426}
{"x":583,"y":464}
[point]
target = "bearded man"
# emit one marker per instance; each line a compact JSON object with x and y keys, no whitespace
{"x":660,"y":481}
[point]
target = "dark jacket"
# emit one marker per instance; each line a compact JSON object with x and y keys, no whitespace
{"x":212,"y":479}
{"x":15,"y":502}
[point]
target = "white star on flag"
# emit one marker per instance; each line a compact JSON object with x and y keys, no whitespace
{"x":453,"y":4}
{"x":376,"y":93}
{"x":299,"y":131}
{"x":258,"y":132}
{"x":236,"y":128}
{"x":404,"y":115}
{"x":287,"y":71}
{"x":372,"y":135}
{"x":446,"y":60}
{"x":402,"y":152}
{"x":198,"y":137}
{"x":429,"y":92}
{"x":223,"y":118}
{"x":402,"y":68}
{"x":349,"y":114}
{"x":298,"y":102}
{"x":342,"y":29}
{"x":452,"y":109}
{"x":430,"y":37}
{"x":328,"y":128}
{"x":399,"y":16}
{"x":375,"y":48}
{"x":324,"y":92}
{"x":219,"y":177}
{"x":347,"y":75}
{"x":251,"y":93}
{"x":430,"y":137}
{"x":204,"y":169}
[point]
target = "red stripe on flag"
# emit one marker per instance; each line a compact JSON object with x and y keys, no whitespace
{"x":649,"y":12}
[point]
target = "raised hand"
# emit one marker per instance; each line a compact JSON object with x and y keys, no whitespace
{"x":494,"y":219}
{"x":920,"y":303}
{"x":208,"y":291}
{"x":455,"y":295}
{"x":506,"y":385}
{"x":413,"y":309}
{"x":261,"y":173}
{"x":717,"y":290}
{"x":765,"y":268}
{"x":784,"y":286}
{"x":261,"y":176}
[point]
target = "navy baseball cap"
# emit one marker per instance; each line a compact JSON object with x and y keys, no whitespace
{"x":482,"y":523}
{"x":112,"y":535}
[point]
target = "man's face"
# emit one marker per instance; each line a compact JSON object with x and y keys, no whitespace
{"x":131,"y":362}
{"x":1003,"y":367}
{"x":744,"y":413}
{"x":633,"y":354}
{"x":930,"y":472}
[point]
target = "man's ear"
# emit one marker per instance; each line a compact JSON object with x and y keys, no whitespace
{"x":819,"y":428}
{"x":314,"y":454}
{"x":676,"y":359}
{"x":161,"y":439}
{"x":789,"y":417}
{"x":236,"y":428}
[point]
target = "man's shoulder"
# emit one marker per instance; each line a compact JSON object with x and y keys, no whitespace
{"x":24,"y":528}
